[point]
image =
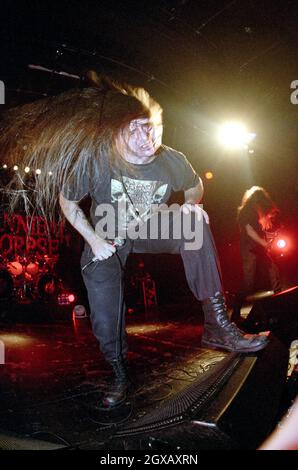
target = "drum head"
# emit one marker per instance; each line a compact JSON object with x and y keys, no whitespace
{"x":6,"y":284}
{"x":15,"y":268}
{"x":32,"y":269}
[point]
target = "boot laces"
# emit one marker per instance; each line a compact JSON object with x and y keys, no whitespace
{"x":235,"y":330}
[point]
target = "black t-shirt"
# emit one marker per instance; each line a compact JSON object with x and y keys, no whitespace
{"x":139,"y":186}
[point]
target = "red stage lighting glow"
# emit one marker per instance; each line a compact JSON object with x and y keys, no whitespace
{"x":71,"y":298}
{"x":281,"y":243}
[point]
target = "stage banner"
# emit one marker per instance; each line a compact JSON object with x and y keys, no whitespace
{"x":20,"y":234}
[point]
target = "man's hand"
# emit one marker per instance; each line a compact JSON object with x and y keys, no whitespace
{"x":101,"y":248}
{"x":187,"y":208}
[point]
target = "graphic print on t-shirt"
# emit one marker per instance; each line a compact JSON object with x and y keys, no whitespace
{"x":135,"y":197}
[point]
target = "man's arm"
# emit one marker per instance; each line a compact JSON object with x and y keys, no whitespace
{"x":76,"y":217}
{"x":194,"y":195}
{"x":253,"y":234}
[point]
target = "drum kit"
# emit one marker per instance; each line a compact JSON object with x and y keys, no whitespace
{"x":27,"y":277}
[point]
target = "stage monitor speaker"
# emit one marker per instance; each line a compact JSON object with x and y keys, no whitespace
{"x":277,"y":313}
{"x":10,"y":441}
{"x":234,"y":405}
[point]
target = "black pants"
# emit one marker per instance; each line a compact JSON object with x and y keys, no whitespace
{"x":104,"y":282}
{"x":250,"y":259}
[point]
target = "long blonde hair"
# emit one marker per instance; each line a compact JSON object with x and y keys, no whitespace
{"x":63,"y":136}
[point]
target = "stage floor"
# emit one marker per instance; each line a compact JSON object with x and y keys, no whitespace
{"x":53,"y":375}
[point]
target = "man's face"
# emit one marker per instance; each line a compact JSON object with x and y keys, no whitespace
{"x":142,"y":138}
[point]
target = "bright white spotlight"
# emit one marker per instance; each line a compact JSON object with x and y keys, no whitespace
{"x":27,"y":169}
{"x":281,"y":243}
{"x":234,"y":135}
{"x":38,"y":171}
{"x":15,"y":167}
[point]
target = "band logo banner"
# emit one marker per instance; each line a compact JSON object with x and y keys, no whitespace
{"x":22,"y":234}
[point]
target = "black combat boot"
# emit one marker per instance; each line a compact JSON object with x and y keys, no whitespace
{"x":117,"y":392}
{"x":219,"y":332}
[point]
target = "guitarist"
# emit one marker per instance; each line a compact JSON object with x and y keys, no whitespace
{"x":256,"y":217}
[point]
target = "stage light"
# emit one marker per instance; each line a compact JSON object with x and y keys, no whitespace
{"x":15,"y":167}
{"x":27,"y":169}
{"x":50,"y":173}
{"x":38,"y":171}
{"x":251,"y":151}
{"x":64,"y":298}
{"x":281,"y":243}
{"x":4,"y":166}
{"x":234,"y":135}
{"x":209,"y":175}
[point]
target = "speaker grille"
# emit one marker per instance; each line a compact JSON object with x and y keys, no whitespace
{"x":187,"y":402}
{"x":11,"y":442}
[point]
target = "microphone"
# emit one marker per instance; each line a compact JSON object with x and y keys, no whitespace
{"x":116,"y":243}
